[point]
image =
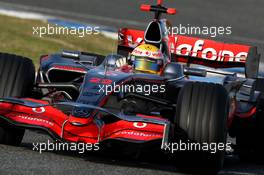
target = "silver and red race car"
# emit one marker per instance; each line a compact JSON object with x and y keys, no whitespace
{"x":73,"y":97}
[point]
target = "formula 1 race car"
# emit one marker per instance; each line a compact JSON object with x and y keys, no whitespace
{"x":89,"y":98}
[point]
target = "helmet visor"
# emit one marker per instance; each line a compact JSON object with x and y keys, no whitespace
{"x":149,"y":65}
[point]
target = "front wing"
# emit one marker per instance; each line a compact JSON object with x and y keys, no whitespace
{"x":58,"y":122}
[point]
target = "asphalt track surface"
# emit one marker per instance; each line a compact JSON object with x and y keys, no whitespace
{"x":246,"y":19}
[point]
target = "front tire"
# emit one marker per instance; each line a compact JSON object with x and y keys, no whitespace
{"x":202,"y":110}
{"x":17,"y":75}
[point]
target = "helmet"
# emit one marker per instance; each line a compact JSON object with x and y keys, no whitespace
{"x":147,"y":58}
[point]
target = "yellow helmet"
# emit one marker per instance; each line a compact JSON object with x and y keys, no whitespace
{"x":147,"y":58}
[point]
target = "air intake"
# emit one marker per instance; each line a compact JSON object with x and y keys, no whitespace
{"x":153,"y":33}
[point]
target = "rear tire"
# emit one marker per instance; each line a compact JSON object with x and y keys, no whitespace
{"x":202,"y":111}
{"x":249,"y":137}
{"x":260,"y":85}
{"x":17,"y":75}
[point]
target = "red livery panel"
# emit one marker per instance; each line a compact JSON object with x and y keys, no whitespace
{"x":192,"y":49}
{"x":78,"y":129}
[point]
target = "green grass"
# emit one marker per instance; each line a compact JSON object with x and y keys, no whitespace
{"x":17,"y":37}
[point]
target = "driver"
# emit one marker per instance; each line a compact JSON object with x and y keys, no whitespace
{"x":145,"y":58}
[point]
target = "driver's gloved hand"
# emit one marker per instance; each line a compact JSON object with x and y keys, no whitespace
{"x":121,"y":62}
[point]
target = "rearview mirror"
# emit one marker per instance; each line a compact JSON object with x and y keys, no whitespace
{"x":195,"y":72}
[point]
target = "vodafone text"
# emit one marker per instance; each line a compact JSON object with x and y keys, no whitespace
{"x":198,"y":50}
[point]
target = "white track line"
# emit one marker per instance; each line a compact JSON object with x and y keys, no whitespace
{"x":71,"y":14}
{"x":57,"y":12}
{"x":38,"y":16}
{"x":23,"y":14}
{"x":235,"y":173}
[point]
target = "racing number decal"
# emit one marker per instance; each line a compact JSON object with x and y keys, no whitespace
{"x":139,"y":125}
